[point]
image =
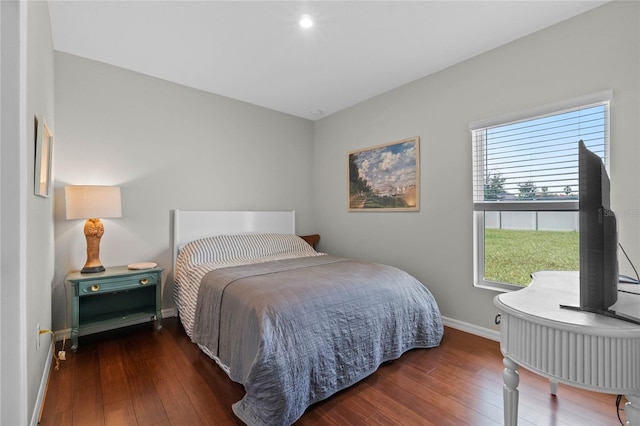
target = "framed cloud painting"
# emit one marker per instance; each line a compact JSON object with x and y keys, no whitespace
{"x":385,"y":177}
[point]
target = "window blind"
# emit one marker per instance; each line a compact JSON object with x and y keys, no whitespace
{"x":532,"y":164}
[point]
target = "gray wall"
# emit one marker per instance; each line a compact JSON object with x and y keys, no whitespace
{"x":40,"y":239}
{"x":12,"y":362}
{"x":595,"y":51}
{"x":173,"y":147}
{"x":27,"y":220}
{"x":168,"y":147}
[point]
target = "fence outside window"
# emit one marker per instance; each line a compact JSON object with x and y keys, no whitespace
{"x":532,"y":220}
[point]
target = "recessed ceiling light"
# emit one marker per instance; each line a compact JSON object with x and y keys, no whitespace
{"x":306,"y":21}
{"x":317,"y":112}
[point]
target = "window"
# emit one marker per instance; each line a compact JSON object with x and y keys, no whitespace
{"x":525,"y":189}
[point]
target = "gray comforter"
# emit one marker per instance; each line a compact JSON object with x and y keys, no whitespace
{"x":296,"y":331}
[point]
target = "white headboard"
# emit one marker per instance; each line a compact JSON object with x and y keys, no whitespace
{"x":192,"y":225}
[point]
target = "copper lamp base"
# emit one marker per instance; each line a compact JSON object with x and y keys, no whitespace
{"x":93,"y":231}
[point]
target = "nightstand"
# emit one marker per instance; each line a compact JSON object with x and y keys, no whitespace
{"x":114,"y":298}
{"x":312,"y":240}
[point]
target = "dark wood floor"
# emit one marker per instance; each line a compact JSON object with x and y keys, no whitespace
{"x":137,"y":376}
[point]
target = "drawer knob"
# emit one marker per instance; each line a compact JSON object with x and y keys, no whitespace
{"x":95,"y":287}
{"x":144,"y":281}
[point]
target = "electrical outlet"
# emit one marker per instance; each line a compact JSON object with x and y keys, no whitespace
{"x":37,"y":337}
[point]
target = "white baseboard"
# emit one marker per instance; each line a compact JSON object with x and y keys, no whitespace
{"x":42,"y":390}
{"x":473,"y":329}
{"x":171,"y":312}
{"x":449,"y":322}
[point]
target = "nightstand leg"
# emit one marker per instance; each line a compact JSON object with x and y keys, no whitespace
{"x":75,"y":317}
{"x":74,"y":339}
{"x":159,"y":320}
{"x":159,"y":303}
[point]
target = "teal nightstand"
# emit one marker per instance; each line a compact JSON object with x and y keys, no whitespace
{"x":114,"y":298}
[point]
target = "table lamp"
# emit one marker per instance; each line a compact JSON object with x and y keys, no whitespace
{"x":92,"y":203}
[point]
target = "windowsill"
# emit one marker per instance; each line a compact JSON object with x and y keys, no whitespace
{"x":499,"y":287}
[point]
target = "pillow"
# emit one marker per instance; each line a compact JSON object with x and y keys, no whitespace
{"x":227,"y":250}
{"x":243,"y":246}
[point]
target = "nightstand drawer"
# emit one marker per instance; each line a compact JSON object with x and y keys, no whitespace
{"x":91,"y":287}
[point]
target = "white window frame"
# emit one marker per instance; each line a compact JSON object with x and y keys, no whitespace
{"x":479,"y":215}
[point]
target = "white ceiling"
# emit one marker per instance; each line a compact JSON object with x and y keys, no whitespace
{"x":254,"y":51}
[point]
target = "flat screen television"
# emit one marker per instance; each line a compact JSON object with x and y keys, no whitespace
{"x":598,"y":240}
{"x":598,"y":235}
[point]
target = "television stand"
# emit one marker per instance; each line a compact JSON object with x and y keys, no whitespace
{"x":577,"y":348}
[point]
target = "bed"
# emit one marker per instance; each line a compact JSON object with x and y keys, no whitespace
{"x":292,"y":325}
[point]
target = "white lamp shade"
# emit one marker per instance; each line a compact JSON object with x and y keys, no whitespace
{"x":91,"y":201}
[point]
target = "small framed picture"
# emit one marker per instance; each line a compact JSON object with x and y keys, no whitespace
{"x":385,"y":177}
{"x":44,"y":151}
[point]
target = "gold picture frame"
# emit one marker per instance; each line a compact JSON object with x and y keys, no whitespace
{"x":385,"y":177}
{"x":44,"y":153}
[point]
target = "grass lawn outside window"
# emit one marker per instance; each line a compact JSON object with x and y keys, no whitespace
{"x":512,"y":255}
